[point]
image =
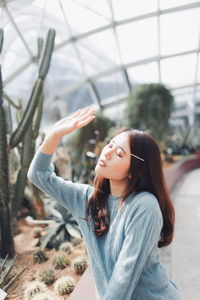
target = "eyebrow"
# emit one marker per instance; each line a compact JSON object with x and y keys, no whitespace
{"x":118,"y":146}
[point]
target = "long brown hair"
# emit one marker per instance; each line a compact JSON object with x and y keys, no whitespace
{"x":147,"y":175}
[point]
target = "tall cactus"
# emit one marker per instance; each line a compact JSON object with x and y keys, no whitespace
{"x":7,"y":245}
{"x":19,"y":133}
{"x":28,"y":128}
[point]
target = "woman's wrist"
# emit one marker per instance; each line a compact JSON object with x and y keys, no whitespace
{"x":50,"y":143}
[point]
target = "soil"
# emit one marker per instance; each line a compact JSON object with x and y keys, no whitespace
{"x":25,"y":248}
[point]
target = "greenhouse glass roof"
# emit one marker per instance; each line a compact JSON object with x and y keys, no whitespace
{"x":102,"y":49}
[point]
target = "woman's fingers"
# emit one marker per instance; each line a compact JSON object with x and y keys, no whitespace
{"x":86,"y":114}
{"x":85,"y":122}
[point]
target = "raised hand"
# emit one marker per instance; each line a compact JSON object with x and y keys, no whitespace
{"x":78,"y":119}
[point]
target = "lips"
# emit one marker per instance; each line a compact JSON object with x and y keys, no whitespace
{"x":102,"y":163}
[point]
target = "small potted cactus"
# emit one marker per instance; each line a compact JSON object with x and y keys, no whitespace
{"x":34,"y":288}
{"x":47,"y":276}
{"x":80,"y":264}
{"x":64,"y":285}
{"x":61,"y":261}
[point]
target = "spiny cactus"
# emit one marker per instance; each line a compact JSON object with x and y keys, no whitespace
{"x":34,"y":288}
{"x":39,"y":257}
{"x":80,"y":264}
{"x":61,"y":261}
{"x":64,"y":285}
{"x":42,"y":296}
{"x":66,"y":247}
{"x":46,"y":276}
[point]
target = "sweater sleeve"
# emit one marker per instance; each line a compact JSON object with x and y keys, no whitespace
{"x":70,"y":195}
{"x":141,"y":234}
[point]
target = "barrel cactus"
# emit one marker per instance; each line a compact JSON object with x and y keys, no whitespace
{"x":47,"y":276}
{"x":61,"y":261}
{"x":39,"y":257}
{"x":80,"y":264}
{"x":34,"y":288}
{"x":66,"y":247}
{"x":42,"y":296}
{"x":64,"y":285}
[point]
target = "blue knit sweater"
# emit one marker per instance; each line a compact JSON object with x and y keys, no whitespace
{"x":125,"y":262}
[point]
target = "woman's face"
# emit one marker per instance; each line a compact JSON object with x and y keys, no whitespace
{"x":115,"y":158}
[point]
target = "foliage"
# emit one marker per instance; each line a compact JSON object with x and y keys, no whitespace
{"x":149,"y":108}
{"x":6,"y":278}
{"x":64,"y":285}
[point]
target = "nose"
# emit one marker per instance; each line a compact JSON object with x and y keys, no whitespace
{"x":108,"y":153}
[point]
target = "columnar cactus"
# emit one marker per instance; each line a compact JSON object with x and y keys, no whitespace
{"x":80,"y":264}
{"x":64,"y":285}
{"x":7,"y":245}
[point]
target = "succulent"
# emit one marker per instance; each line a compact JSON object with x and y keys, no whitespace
{"x":37,"y":232}
{"x":80,"y":264}
{"x":46,"y":276}
{"x":66,"y":247}
{"x":42,"y":296}
{"x":39,"y":257}
{"x":61,"y":261}
{"x":76,"y":242}
{"x":34,"y":288}
{"x":64,"y":285}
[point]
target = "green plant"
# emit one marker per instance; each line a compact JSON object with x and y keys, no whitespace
{"x":64,"y":285}
{"x":46,"y":276}
{"x":7,"y":245}
{"x":80,"y":264}
{"x":66,"y":247}
{"x":42,"y":296}
{"x":56,"y":234}
{"x":61,"y":261}
{"x":149,"y":107}
{"x":34,"y":288}
{"x":6,"y":278}
{"x":39,"y":257}
{"x":75,"y":242}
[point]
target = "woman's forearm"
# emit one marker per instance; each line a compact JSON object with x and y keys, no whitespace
{"x":50,"y":143}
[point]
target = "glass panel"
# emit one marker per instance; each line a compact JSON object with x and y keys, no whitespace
{"x":178,"y":71}
{"x":147,"y":73}
{"x":77,"y":15}
{"x":173,"y":3}
{"x":99,"y":52}
{"x":129,"y":8}
{"x":138,"y":40}
{"x":179,"y":31}
{"x":110,"y":86}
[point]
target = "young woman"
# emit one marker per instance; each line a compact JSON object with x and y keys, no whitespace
{"x":125,"y":218}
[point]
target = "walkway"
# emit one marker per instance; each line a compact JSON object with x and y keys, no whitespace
{"x":184,"y":254}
